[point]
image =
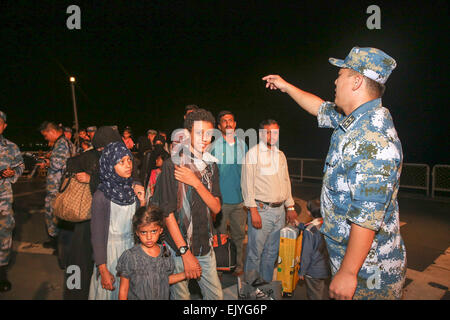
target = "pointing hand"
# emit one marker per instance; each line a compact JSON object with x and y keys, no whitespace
{"x":275,"y":82}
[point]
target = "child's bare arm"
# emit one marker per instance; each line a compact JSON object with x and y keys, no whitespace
{"x":177,"y":277}
{"x":123,"y":289}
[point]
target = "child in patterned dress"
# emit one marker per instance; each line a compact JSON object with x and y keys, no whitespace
{"x":146,"y":269}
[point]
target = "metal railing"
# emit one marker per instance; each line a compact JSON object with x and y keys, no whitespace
{"x":414,"y":175}
{"x":304,"y":168}
{"x":441,"y":178}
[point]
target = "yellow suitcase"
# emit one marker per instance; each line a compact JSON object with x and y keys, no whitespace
{"x":289,"y":258}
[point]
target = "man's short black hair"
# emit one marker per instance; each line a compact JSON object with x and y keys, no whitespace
{"x":47,"y":125}
{"x":268,"y":122}
{"x":376,"y":89}
{"x":190,"y":107}
{"x":198,"y":115}
{"x":159,"y":137}
{"x":224,"y":113}
{"x":128,"y":129}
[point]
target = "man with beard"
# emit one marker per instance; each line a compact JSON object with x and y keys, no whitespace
{"x":266,"y":189}
{"x":230,"y":152}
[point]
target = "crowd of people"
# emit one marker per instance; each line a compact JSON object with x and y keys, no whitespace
{"x":156,"y":204}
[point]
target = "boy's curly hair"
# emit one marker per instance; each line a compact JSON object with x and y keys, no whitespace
{"x":198,"y":115}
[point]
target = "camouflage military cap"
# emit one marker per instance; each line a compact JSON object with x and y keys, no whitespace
{"x":370,"y":62}
{"x":90,"y":129}
{"x":3,"y":116}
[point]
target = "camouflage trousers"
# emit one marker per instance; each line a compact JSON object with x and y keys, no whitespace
{"x":53,"y":182}
{"x":7,"y":224}
{"x":50,"y":219}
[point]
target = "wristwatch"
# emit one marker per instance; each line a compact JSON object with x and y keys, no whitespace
{"x":291,"y":209}
{"x":183,"y":249}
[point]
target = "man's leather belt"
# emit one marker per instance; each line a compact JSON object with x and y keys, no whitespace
{"x":272,"y":204}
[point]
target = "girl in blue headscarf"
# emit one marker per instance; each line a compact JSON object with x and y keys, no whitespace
{"x":113,"y":206}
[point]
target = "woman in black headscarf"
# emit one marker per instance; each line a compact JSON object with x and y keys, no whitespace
{"x":78,"y":250}
{"x":113,"y":206}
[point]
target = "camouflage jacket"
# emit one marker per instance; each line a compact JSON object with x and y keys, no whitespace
{"x":10,"y":157}
{"x":360,"y":186}
{"x":62,"y":150}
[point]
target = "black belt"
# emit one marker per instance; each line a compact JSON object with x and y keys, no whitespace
{"x":272,"y":204}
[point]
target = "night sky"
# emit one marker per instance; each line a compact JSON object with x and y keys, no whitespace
{"x":138,"y":63}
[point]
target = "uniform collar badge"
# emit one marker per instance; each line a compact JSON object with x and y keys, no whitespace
{"x":347,"y":122}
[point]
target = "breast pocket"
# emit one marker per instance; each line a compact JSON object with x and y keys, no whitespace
{"x":331,"y":172}
{"x":373,"y":180}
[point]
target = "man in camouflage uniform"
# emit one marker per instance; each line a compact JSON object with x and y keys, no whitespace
{"x":62,"y":150}
{"x":11,"y":167}
{"x":361,"y":178}
{"x":68,"y":133}
{"x":91,"y":132}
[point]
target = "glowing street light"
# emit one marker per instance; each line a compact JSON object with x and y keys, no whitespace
{"x":72,"y":84}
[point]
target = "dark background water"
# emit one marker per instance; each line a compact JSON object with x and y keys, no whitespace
{"x":138,"y":63}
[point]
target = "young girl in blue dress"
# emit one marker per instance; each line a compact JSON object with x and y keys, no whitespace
{"x":113,"y":206}
{"x":146,"y":269}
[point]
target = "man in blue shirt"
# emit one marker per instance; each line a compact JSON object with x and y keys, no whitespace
{"x":230,"y":151}
{"x":361,"y":178}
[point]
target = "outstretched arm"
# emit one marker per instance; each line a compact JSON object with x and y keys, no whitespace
{"x":306,"y":100}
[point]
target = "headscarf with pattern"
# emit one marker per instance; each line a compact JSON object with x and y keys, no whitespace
{"x":116,"y":188}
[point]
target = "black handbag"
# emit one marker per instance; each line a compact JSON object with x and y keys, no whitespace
{"x":225,"y":252}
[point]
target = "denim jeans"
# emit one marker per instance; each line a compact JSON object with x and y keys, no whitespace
{"x":263,"y":244}
{"x":209,"y":281}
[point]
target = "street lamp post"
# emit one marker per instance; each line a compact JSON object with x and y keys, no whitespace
{"x":72,"y":84}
